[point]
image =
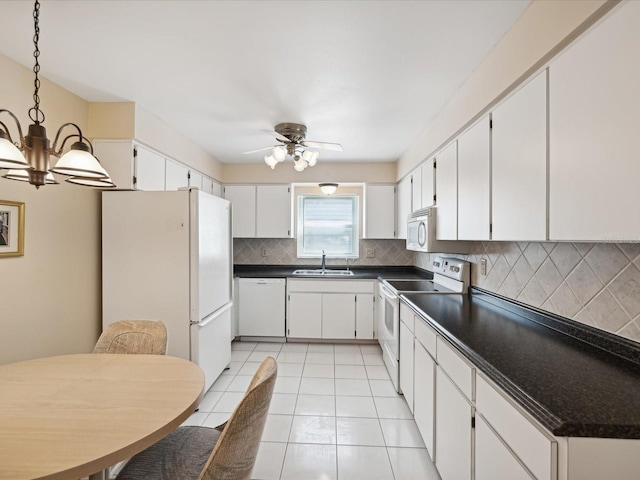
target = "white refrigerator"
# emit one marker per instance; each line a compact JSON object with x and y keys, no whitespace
{"x":168,"y":256}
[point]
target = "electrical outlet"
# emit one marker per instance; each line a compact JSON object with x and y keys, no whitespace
{"x":371,"y":252}
{"x":483,"y":266}
{"x":264,"y":252}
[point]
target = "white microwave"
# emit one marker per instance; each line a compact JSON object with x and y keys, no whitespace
{"x":421,"y":235}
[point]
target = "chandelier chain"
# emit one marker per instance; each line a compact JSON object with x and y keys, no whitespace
{"x":35,"y":113}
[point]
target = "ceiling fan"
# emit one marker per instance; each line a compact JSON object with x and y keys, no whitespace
{"x":293,"y":137}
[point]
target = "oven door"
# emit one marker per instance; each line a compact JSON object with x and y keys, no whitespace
{"x":390,"y":334}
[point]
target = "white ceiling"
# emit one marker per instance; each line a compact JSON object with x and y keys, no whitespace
{"x":367,"y":74}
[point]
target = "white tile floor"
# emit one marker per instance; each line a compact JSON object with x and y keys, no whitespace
{"x":334,"y":414}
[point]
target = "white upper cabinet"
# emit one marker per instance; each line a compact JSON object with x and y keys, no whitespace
{"x":474,"y":182}
{"x":519,"y":170}
{"x":177,"y":176}
{"x":380,"y":211}
{"x":196,"y":180}
{"x":404,"y":205}
{"x":273,"y":211}
{"x":207,"y":185}
{"x":447,"y":193}
{"x":593,"y":158}
{"x":149,"y":170}
{"x":428,"y":183}
{"x":260,"y":211}
{"x":216,"y":189}
{"x":422,"y":186}
{"x":243,"y":209}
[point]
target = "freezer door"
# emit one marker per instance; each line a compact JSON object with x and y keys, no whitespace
{"x":210,"y":344}
{"x":211,"y":254}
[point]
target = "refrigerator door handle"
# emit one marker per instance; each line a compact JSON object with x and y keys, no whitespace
{"x":211,"y":317}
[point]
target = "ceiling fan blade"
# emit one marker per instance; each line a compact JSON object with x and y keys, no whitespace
{"x":327,"y":146}
{"x":280,"y":137}
{"x":258,"y":150}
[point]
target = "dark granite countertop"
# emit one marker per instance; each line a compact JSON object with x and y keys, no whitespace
{"x":359,"y":272}
{"x":576,"y":380}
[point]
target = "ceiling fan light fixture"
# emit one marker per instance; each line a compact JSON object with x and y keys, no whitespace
{"x":279,"y":153}
{"x":299,"y":164}
{"x":328,"y":188}
{"x":313,"y":158}
{"x":271,"y":161}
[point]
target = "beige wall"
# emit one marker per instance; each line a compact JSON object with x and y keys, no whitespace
{"x":50,"y":298}
{"x":539,"y":34}
{"x":115,"y":120}
{"x":321,"y":172}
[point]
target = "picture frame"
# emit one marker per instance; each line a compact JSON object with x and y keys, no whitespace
{"x":11,"y":228}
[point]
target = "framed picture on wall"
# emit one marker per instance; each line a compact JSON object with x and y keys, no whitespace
{"x":11,"y":229}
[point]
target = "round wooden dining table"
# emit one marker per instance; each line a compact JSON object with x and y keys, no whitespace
{"x":71,"y":416}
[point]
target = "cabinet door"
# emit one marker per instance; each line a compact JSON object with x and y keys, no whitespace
{"x":380,"y":211}
{"x":150,"y":170}
{"x":216,"y":189}
{"x":177,"y":176}
{"x":428,"y":183}
{"x":364,"y":316}
{"x":416,"y":190}
{"x":243,"y":209}
{"x":406,"y":364}
{"x":453,"y":430}
{"x":447,"y":193}
{"x":196,"y":180}
{"x":593,"y":113}
{"x":207,"y":185}
{"x":493,"y":459}
{"x":273,"y":217}
{"x":404,"y":206}
{"x":424,"y":396}
{"x":519,"y":169}
{"x":474,"y":190}
{"x":304,"y":315}
{"x":338,"y":315}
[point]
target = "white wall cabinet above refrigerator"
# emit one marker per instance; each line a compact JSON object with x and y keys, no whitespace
{"x":260,"y":211}
{"x":136,"y":167}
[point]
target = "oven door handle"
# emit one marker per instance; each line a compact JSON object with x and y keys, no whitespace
{"x":387,"y":293}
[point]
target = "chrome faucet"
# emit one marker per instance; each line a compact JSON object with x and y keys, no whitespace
{"x":324,"y":259}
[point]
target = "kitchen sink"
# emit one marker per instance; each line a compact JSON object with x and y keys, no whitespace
{"x":324,"y":273}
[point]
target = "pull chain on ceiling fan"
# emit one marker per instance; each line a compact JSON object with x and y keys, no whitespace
{"x":293,"y":137}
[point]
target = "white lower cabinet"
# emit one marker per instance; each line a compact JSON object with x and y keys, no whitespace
{"x":454,"y":435}
{"x":338,"y":315}
{"x":304,"y":315}
{"x":330,"y":309}
{"x":493,"y":459}
{"x":424,"y":395}
{"x":406,"y":364}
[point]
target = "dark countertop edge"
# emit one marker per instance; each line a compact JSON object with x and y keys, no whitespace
{"x":369,"y":271}
{"x":565,"y":326}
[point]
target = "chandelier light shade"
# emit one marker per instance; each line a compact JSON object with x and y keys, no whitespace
{"x":27,"y":158}
{"x":328,"y":188}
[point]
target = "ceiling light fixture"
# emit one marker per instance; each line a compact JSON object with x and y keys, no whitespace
{"x":78,"y":163}
{"x":328,"y":188}
{"x":301,"y":158}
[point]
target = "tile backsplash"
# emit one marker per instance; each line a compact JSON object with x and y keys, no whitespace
{"x":593,"y":283}
{"x":282,"y":251}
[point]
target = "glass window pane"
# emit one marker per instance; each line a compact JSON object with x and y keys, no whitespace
{"x":329,"y":224}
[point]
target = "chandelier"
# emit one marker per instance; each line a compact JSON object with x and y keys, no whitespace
{"x":28,"y":158}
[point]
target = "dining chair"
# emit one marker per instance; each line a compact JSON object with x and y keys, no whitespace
{"x":133,"y":336}
{"x":226,"y":452}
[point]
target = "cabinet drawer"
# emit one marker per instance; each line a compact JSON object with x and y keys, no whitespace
{"x":406,"y":316}
{"x":535,"y":449}
{"x":330,"y":286}
{"x":426,"y":336}
{"x":458,"y":370}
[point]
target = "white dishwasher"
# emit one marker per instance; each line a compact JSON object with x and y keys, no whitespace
{"x":261,"y":307}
